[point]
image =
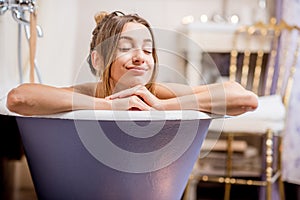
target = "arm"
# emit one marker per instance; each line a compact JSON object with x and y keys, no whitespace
{"x":221,"y":98}
{"x":227,"y":98}
{"x":38,"y":99}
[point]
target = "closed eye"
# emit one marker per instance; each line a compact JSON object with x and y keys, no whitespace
{"x":147,"y":51}
{"x":124,"y":49}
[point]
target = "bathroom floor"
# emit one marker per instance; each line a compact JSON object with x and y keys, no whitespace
{"x":205,"y":192}
{"x":212,"y":192}
{"x":14,"y":190}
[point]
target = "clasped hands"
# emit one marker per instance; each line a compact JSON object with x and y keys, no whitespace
{"x":135,"y":98}
{"x":228,"y":98}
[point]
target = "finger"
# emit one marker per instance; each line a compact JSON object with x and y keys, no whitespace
{"x":138,"y":103}
{"x":116,"y":96}
{"x":124,"y":93}
{"x":129,"y":103}
{"x":146,"y":96}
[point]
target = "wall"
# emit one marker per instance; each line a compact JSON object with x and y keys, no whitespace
{"x":8,"y":50}
{"x":67,"y":27}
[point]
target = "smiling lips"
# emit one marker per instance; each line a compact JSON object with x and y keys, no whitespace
{"x":136,"y":68}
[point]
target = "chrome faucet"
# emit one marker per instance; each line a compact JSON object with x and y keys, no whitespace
{"x":18,"y":9}
{"x":3,"y":6}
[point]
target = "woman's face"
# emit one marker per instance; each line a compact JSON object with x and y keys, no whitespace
{"x":134,"y":62}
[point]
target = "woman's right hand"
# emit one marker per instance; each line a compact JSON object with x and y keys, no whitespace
{"x":129,"y":103}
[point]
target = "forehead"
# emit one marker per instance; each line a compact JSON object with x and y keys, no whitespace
{"x":136,"y":31}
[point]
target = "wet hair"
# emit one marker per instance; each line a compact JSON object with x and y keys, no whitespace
{"x":105,"y":40}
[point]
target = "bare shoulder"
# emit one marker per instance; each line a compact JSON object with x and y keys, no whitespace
{"x":85,"y":88}
{"x":171,"y":90}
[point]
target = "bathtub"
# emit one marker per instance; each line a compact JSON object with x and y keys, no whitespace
{"x":108,"y":155}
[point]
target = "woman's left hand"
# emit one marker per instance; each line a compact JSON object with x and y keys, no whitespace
{"x":143,"y":93}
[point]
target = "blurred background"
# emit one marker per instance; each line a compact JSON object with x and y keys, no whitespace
{"x":186,"y":31}
{"x":67,"y":27}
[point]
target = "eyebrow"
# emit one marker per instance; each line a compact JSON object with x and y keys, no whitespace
{"x":130,"y":38}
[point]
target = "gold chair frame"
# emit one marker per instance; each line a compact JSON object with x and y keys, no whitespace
{"x":261,"y":86}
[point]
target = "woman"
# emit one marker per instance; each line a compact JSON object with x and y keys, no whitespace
{"x":123,"y":55}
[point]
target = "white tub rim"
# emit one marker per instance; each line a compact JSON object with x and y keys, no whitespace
{"x":118,"y":115}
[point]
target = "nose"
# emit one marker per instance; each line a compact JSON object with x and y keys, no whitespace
{"x":138,"y":57}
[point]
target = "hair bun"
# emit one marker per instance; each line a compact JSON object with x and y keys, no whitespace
{"x":99,"y":16}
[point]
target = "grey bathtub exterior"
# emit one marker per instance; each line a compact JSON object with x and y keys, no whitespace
{"x":64,"y":162}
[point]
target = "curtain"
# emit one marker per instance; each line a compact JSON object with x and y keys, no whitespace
{"x":291,"y":140}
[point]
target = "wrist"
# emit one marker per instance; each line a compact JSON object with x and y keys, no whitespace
{"x":102,"y":104}
{"x":169,"y":104}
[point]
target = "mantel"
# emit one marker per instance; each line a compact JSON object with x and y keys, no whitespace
{"x":212,"y":37}
{"x":210,"y":26}
{"x":199,"y":38}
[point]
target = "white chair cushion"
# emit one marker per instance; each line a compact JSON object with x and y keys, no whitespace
{"x":270,"y":114}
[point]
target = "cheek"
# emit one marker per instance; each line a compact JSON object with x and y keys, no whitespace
{"x":150,"y":63}
{"x":122,"y":59}
{"x":117,"y":68}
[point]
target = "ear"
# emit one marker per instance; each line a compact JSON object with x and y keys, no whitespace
{"x":97,"y":61}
